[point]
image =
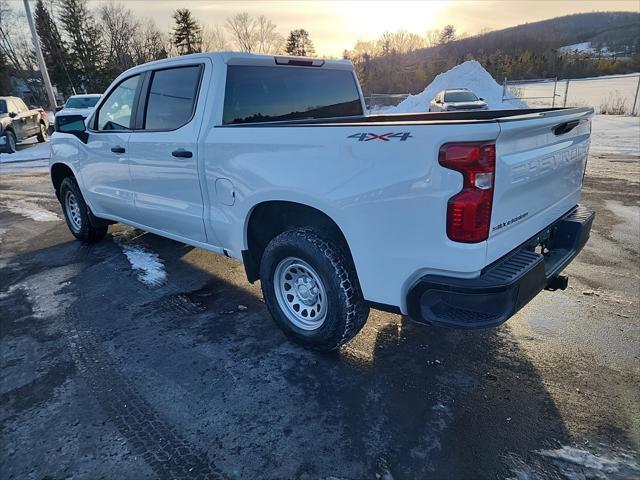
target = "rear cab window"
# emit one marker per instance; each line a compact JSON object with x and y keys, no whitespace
{"x":172,"y":97}
{"x":256,"y":94}
{"x":20,"y":105}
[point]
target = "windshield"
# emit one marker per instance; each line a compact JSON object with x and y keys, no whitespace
{"x":460,"y":97}
{"x":81,"y":102}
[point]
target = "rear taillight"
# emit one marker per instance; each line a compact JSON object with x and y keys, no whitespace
{"x":469,"y":212}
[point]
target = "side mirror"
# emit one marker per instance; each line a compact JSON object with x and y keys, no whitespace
{"x":72,"y":124}
{"x":58,"y":108}
{"x":13,"y":114}
{"x":481,"y":99}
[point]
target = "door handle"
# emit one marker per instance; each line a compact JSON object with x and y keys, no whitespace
{"x":117,"y":149}
{"x":182,"y":153}
{"x":565,"y":127}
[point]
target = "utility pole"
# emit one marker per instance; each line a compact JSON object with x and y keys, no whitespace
{"x":39,"y":57}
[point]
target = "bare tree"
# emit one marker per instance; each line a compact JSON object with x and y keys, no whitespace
{"x":432,"y":38}
{"x":120,"y":28}
{"x":243,"y":31}
{"x":213,"y":39}
{"x":149,"y":43}
{"x":254,"y":34}
{"x":401,"y":41}
{"x":267,"y":39}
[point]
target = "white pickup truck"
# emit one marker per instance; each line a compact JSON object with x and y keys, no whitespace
{"x":455,"y":219}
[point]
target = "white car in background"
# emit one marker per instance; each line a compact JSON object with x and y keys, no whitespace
{"x":457,"y":99}
{"x":79,"y":105}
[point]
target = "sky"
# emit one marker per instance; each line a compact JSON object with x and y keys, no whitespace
{"x":336,"y":25}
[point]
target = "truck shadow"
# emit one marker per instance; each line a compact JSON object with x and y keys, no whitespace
{"x":200,"y":357}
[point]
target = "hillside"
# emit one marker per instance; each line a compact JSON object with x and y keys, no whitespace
{"x":525,"y":51}
{"x":616,"y":30}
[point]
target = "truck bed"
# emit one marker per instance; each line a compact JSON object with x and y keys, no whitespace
{"x":475,"y":116}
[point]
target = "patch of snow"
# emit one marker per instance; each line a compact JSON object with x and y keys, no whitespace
{"x":598,"y":467}
{"x":615,"y":135}
{"x":43,"y":290}
{"x":469,"y":75}
{"x":430,"y":441}
{"x":28,"y":152}
{"x":30,"y":210}
{"x":148,"y":265}
{"x":586,"y":48}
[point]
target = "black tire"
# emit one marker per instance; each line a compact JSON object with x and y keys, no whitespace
{"x":44,"y":133}
{"x":10,"y":141}
{"x":78,"y":216}
{"x":346,"y":309}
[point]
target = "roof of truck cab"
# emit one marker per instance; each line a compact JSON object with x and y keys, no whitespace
{"x":244,"y":58}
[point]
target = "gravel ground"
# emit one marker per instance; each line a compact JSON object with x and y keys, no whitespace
{"x":140,"y":357}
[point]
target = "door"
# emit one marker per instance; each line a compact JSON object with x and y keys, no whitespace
{"x":163,"y":152}
{"x":105,"y":167}
{"x":30,"y":118}
{"x":18,"y":120}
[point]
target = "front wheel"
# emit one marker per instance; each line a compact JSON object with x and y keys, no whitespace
{"x":311,"y":289}
{"x":10,"y":141}
{"x":76,"y":213}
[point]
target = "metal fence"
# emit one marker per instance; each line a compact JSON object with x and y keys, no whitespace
{"x":377,"y":101}
{"x":611,"y":94}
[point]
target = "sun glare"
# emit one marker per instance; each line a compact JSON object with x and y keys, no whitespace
{"x":371,"y":18}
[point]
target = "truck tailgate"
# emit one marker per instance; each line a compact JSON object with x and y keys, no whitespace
{"x":540,"y":162}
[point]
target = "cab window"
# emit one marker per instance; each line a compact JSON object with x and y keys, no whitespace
{"x":116,"y":111}
{"x":257,"y":94}
{"x":172,"y":97}
{"x":19,"y":105}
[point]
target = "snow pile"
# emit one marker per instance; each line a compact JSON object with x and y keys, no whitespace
{"x":469,"y":75}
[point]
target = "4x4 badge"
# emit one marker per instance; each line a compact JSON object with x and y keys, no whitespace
{"x":385,"y":137}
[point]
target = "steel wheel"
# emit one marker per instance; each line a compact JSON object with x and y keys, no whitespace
{"x":73,"y":211}
{"x":300,"y":293}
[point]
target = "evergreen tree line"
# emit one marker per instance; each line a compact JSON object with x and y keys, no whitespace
{"x":85,"y":49}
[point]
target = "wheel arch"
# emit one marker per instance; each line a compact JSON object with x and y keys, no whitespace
{"x":59,"y":171}
{"x":267,"y":219}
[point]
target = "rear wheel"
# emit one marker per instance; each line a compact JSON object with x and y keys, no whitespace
{"x":43,"y":133}
{"x":10,"y":141}
{"x":77,"y":215}
{"x":311,"y":289}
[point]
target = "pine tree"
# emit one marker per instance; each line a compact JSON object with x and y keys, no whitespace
{"x":54,"y":49}
{"x":299,"y":44}
{"x":85,"y":44}
{"x":187,"y":34}
{"x":448,"y":34}
{"x":5,"y":80}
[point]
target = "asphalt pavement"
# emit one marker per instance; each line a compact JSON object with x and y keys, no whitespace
{"x":140,"y":357}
